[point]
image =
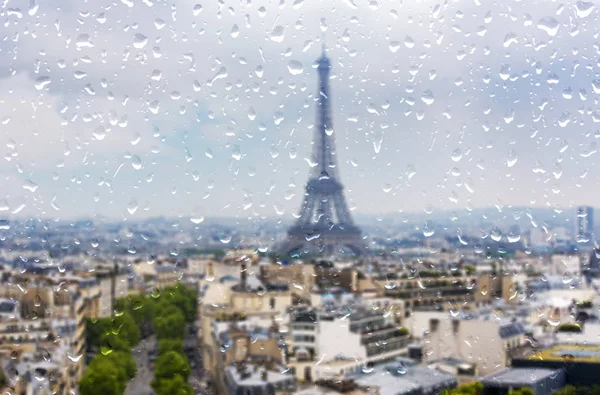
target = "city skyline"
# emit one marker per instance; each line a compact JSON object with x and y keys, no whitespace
{"x":409,"y":136}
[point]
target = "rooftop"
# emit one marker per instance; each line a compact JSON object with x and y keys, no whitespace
{"x":573,"y":352}
{"x":403,"y":377}
{"x":519,"y":376}
{"x":253,"y":376}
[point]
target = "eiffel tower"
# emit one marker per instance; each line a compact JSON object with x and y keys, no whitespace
{"x":324,"y":225}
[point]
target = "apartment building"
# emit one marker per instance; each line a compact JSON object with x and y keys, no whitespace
{"x":482,"y":338}
{"x":239,"y":319}
{"x":244,"y":341}
{"x":46,"y":311}
{"x":439,"y":290}
{"x":343,"y":339}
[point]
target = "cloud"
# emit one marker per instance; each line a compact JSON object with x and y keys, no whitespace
{"x":432,"y":101}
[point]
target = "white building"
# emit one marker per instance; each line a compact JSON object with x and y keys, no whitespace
{"x":485,"y":339}
{"x":343,"y":339}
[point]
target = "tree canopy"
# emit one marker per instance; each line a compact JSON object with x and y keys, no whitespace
{"x":101,"y":378}
{"x":171,"y":325}
{"x":173,"y":386}
{"x":125,"y":326}
{"x":99,"y":331}
{"x":166,"y":345}
{"x":522,"y":391}
{"x":169,"y":365}
{"x":474,"y":388}
{"x":580,"y":390}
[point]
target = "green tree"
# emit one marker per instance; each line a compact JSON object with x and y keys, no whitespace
{"x":169,"y":365}
{"x":141,"y":307}
{"x":473,"y":388}
{"x":165,"y":345}
{"x":101,"y":379}
{"x":170,"y":326}
{"x":174,"y":386}
{"x":103,"y":364}
{"x":469,"y":270}
{"x":183,"y":298}
{"x":111,"y":342}
{"x":125,"y":327}
{"x":95,"y":329}
{"x":2,"y":378}
{"x":123,"y":361}
{"x":522,"y":391}
{"x":163,"y":307}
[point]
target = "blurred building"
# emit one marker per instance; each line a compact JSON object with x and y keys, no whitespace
{"x":485,"y":338}
{"x":584,"y":225}
{"x":541,"y":381}
{"x":343,"y":338}
{"x":403,"y":377}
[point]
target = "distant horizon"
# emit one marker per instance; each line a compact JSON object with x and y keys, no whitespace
{"x":209,"y":218}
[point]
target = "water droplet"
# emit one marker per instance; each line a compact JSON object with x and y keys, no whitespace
{"x":278,"y":34}
{"x":74,"y":358}
{"x":83,"y":41}
{"x":132,"y":206}
{"x":456,"y":155}
{"x":510,"y":38}
{"x":427,"y":97}
{"x":136,"y":162}
{"x":222,"y":73}
{"x":428,"y":229}
{"x":235,"y":31}
{"x":512,"y":158}
{"x":584,"y":8}
{"x":139,"y":41}
{"x":549,"y":25}
{"x":99,"y":133}
{"x":409,"y":42}
{"x":42,"y":82}
{"x":401,"y":368}
{"x":366,"y":369}
{"x":156,"y":75}
{"x":34,"y":5}
{"x":295,"y":67}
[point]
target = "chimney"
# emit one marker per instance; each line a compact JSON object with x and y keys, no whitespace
{"x":264,"y":375}
{"x":243,"y":275}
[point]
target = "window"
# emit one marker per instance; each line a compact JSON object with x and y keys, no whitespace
{"x":298,"y":327}
{"x":304,"y":338}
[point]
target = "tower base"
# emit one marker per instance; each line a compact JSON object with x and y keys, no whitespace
{"x":318,"y":242}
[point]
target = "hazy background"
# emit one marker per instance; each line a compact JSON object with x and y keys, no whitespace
{"x":146,"y":108}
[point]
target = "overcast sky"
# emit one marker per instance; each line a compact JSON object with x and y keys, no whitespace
{"x":146,"y":108}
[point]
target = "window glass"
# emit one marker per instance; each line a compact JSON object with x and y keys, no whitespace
{"x":249,"y":197}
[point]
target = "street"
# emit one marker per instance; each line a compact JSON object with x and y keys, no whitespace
{"x":140,"y":385}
